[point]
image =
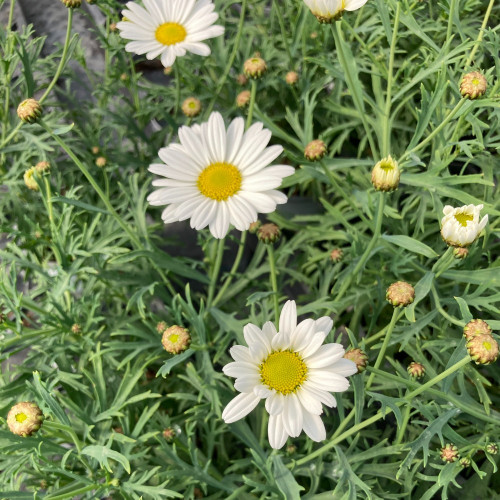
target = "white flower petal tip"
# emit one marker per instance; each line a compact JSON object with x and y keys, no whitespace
{"x":219,"y":178}
{"x":328,"y":11}
{"x":461,"y":226}
{"x":168,"y":29}
{"x":293,"y":371}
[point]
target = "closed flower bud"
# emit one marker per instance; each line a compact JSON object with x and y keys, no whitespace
{"x":42,"y":167}
{"x":161,"y":326}
{"x":461,"y":226}
{"x":449,"y":453}
{"x":464,"y":462}
{"x":315,"y":150}
{"x":95,"y":150}
{"x":191,"y":107}
{"x":242,"y":79}
{"x":416,"y":370}
{"x":473,"y":85}
{"x":386,"y":174}
{"x":357,"y":356}
{"x":29,"y":110}
{"x":169,"y":434}
{"x":269,"y":233}
{"x":476,"y":327}
{"x":400,"y":294}
{"x":492,"y":448}
{"x":460,"y":253}
{"x":168,"y":69}
{"x":483,"y":349}
{"x":336,"y":255}
{"x":24,"y":418}
{"x":29,"y":178}
{"x":292,"y":77}
{"x":243,"y":98}
{"x":255,"y":67}
{"x":254,"y":226}
{"x":100,"y":161}
{"x":175,"y":339}
{"x":291,"y":449}
{"x":76,"y":329}
{"x":72,"y":4}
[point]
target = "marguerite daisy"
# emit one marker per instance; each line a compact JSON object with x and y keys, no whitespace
{"x":216,"y":177}
{"x":460,"y":227}
{"x":292,"y":371}
{"x":169,"y":28}
{"x":327,"y":11}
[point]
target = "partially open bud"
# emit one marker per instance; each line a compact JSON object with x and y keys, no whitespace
{"x":161,"y":326}
{"x":336,"y":255}
{"x":460,"y":253}
{"x":72,"y":4}
{"x":292,"y":77}
{"x":416,"y":370}
{"x":464,"y":462}
{"x":473,"y":85}
{"x":357,"y":356}
{"x":100,"y":161}
{"x":254,"y":226}
{"x":476,"y":327}
{"x":449,"y":453}
{"x":492,"y":448}
{"x":386,"y":174}
{"x":483,"y":349}
{"x":29,"y":178}
{"x":176,"y":339}
{"x":191,"y":107}
{"x":243,"y":98}
{"x":42,"y":167}
{"x":269,"y":233}
{"x":315,"y":150}
{"x":24,"y":418}
{"x":29,"y":110}
{"x":255,"y":67}
{"x":400,"y":294}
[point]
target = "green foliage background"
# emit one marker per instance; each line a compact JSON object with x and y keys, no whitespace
{"x":383,"y":80}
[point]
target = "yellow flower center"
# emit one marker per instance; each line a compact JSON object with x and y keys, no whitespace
{"x":174,"y":338}
{"x":463,"y":218}
{"x":219,"y":181}
{"x":475,"y":81}
{"x":21,"y":417}
{"x":170,"y":33}
{"x":386,"y":166}
{"x":487,"y":345}
{"x":283,"y":371}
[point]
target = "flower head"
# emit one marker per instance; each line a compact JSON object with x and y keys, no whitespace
{"x":449,"y":453}
{"x":460,"y":227}
{"x":169,"y":28}
{"x":476,"y":327}
{"x":327,"y":11}
{"x":72,"y":4}
{"x":29,"y":110}
{"x":315,"y":150}
{"x":400,"y":294}
{"x":269,"y":233}
{"x":386,"y":174}
{"x":483,"y":349}
{"x":175,"y":339}
{"x":292,"y":371}
{"x":217,"y":177}
{"x":336,"y":255}
{"x":243,"y":98}
{"x":24,"y":418}
{"x":191,"y":107}
{"x":473,"y":85}
{"x":29,"y":178}
{"x":492,"y":448}
{"x":254,"y":67}
{"x":100,"y":161}
{"x":292,"y":77}
{"x":416,"y":370}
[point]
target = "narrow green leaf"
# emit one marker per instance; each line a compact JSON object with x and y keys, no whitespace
{"x":411,"y":244}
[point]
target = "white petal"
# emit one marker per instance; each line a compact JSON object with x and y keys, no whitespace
{"x":344,"y":367}
{"x":309,"y":402}
{"x":313,"y":345}
{"x":324,"y":324}
{"x":314,"y":427}
{"x":326,"y":355}
{"x":276,"y":432}
{"x":275,"y":403}
{"x":240,"y":407}
{"x":240,"y":353}
{"x":288,"y":317}
{"x":247,"y":383}
{"x":292,"y":415}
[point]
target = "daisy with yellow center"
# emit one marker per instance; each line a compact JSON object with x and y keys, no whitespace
{"x":217,"y":177}
{"x":327,"y":11}
{"x":460,"y":227}
{"x":292,"y":370}
{"x":169,"y":28}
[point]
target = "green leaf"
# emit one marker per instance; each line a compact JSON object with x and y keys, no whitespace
{"x":79,"y":204}
{"x":102,"y":454}
{"x":387,"y":401}
{"x":174,"y":361}
{"x":63,"y":130}
{"x":422,"y":288}
{"x":257,"y":296}
{"x":285,"y":480}
{"x":464,"y":309}
{"x":486,"y":277}
{"x":411,"y":244}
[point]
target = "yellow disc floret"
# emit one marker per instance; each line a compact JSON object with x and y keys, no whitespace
{"x":283,"y":371}
{"x":463,"y":218}
{"x":170,"y":33}
{"x":219,"y":181}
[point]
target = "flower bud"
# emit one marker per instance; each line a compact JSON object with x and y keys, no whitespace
{"x":100,"y":161}
{"x":473,"y":85}
{"x":161,"y":326}
{"x":269,"y":233}
{"x":29,"y":110}
{"x":492,"y":448}
{"x":242,"y":79}
{"x":24,"y":418}
{"x":464,"y":462}
{"x":169,"y":434}
{"x":460,"y":253}
{"x":176,"y":339}
{"x":76,"y":329}
{"x":357,"y":356}
{"x":386,"y":174}
{"x":255,"y":67}
{"x":168,"y":69}
{"x":461,"y":226}
{"x":29,"y":178}
{"x":416,"y":370}
{"x":254,"y":226}
{"x":42,"y":167}
{"x":291,"y":449}
{"x":483,"y":349}
{"x":315,"y":150}
{"x":476,"y":327}
{"x":400,"y":294}
{"x":72,"y":4}
{"x":292,"y":77}
{"x":336,"y":255}
{"x":112,"y":26}
{"x":449,"y":453}
{"x":243,"y":98}
{"x":95,"y":150}
{"x":191,"y":107}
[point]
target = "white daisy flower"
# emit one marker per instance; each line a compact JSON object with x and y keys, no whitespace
{"x":327,"y":11}
{"x":460,"y":227}
{"x":292,"y":371}
{"x":169,"y":28}
{"x":217,"y":177}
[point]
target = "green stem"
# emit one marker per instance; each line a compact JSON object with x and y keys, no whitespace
{"x":481,"y":33}
{"x":402,"y":429}
{"x":74,"y":493}
{"x":284,"y":35}
{"x":215,"y":272}
{"x":253,"y":93}
{"x":381,"y":333}
{"x":177,"y":88}
{"x":453,"y":6}
{"x":233,"y":271}
{"x":230,"y":61}
{"x":274,"y":282}
{"x":443,"y":313}
{"x":386,"y":134}
{"x":380,"y":415}
{"x":381,"y":353}
{"x":443,"y":263}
